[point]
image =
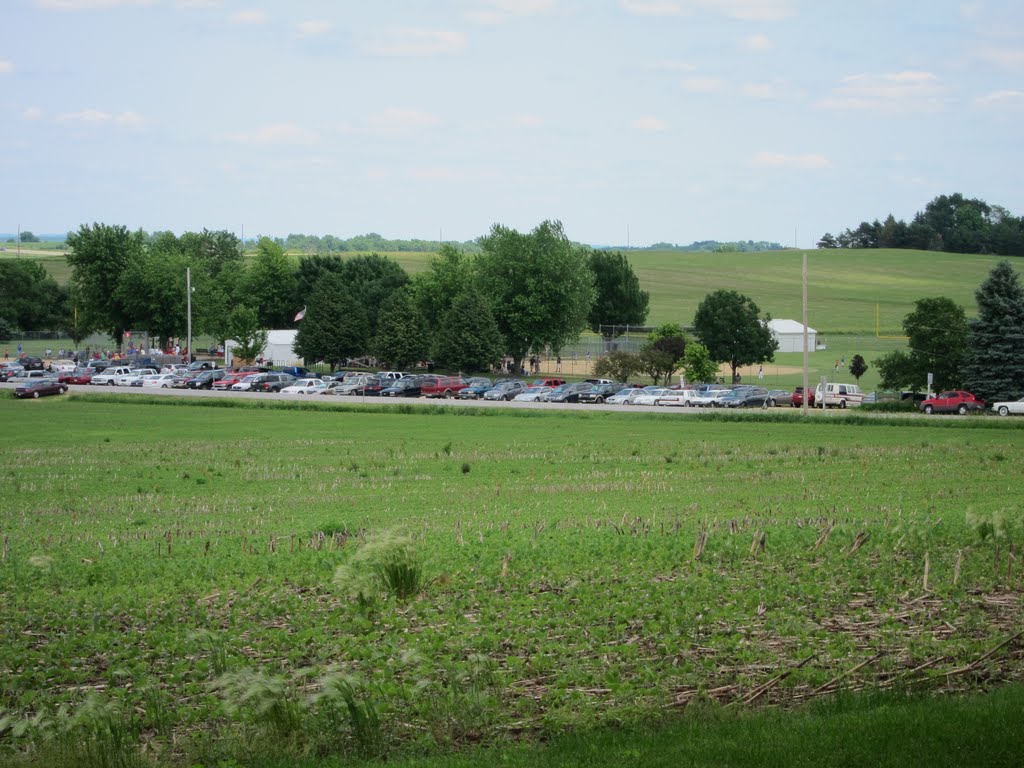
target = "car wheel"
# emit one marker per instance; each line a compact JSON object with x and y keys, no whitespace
{"x":962,"y":410}
{"x":771,"y":403}
{"x":842,"y":405}
{"x":599,"y":400}
{"x":62,"y":390}
{"x":35,"y":395}
{"x":1004,"y":411}
{"x":110,"y":383}
{"x":447,"y":394}
{"x":928,"y":409}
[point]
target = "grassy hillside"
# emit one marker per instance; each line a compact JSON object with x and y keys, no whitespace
{"x":844,"y":286}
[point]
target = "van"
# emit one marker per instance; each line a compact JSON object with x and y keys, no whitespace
{"x":836,"y":395}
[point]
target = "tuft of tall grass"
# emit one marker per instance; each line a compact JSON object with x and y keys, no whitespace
{"x":386,"y":561}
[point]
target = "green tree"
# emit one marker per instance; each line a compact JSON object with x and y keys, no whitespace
{"x":30,"y":300}
{"x":858,"y":367}
{"x":895,"y":370}
{"x":994,"y":364}
{"x":152,"y":292}
{"x":448,"y":276}
{"x":618,"y":365}
{"x":467,"y":337}
{"x":28,"y":237}
{"x":729,"y":325}
{"x":212,"y":251}
{"x":371,"y":279}
{"x":400,"y":339}
{"x":269,"y":285}
{"x":618,"y":300}
{"x":100,"y":255}
{"x":697,"y":365}
{"x":311,"y":271}
{"x":245,"y":329}
{"x":937,"y":337}
{"x":661,"y":355}
{"x":539,"y":286}
{"x":335,"y":327}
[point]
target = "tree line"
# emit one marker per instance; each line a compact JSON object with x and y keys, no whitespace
{"x":982,"y":355}
{"x":951,"y":223}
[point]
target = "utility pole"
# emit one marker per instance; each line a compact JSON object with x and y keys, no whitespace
{"x":188,"y":292}
{"x":807,"y":394}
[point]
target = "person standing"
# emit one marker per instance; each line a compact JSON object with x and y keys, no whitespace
{"x":760,"y":373}
{"x":558,"y":363}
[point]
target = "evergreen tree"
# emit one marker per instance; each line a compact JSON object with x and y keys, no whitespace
{"x":468,"y":338}
{"x":618,"y":300}
{"x":335,"y":327}
{"x":994,"y":364}
{"x":401,"y":339}
{"x":858,"y":367}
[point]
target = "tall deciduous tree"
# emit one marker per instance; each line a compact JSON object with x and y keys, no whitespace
{"x":729,"y":325}
{"x":371,"y":279}
{"x":618,"y":365}
{"x":335,"y":327}
{"x":467,"y":337}
{"x":448,"y":276}
{"x":618,"y":299}
{"x":30,"y":300}
{"x":936,"y":338}
{"x":270,"y":285}
{"x":539,"y":285}
{"x":400,"y":340}
{"x":663,"y":352}
{"x":100,"y":255}
{"x":697,"y":364}
{"x":994,"y":363}
{"x":244,"y":328}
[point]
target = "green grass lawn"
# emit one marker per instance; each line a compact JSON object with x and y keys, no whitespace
{"x":210,"y":578}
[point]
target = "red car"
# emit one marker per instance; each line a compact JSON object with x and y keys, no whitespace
{"x":229,"y":379}
{"x":40,"y":387}
{"x":954,"y":401}
{"x":77,"y":376}
{"x":797,"y":400}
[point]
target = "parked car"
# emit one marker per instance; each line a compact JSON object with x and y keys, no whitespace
{"x":625,"y":396}
{"x":134,"y":377}
{"x":204,"y":379}
{"x":408,"y":386}
{"x":838,"y":395}
{"x":683,"y":397}
{"x":552,"y":383}
{"x":599,"y":393}
{"x":532,"y":394}
{"x":305,"y":387}
{"x":475,"y":388}
{"x":797,"y":398}
{"x":110,"y":376}
{"x":391,"y":375}
{"x":1009,"y":407}
{"x":954,"y":401}
{"x":441,"y":386}
{"x":201,"y":365}
{"x":31,"y":363}
{"x":779,"y":396}
{"x":77,"y":376}
{"x":371,"y":388}
{"x":98,"y":366}
{"x":350,"y":384}
{"x":176,"y":368}
{"x":9,"y":371}
{"x":652,"y":395}
{"x":745,"y":397}
{"x":506,"y":390}
{"x":159,"y":381}
{"x":274,"y":381}
{"x":227,"y":380}
{"x":245,"y":383}
{"x":63,"y":366}
{"x":36,"y":388}
{"x":568,"y":393}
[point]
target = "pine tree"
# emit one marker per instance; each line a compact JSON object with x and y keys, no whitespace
{"x":468,"y":339}
{"x":335,"y":327}
{"x":994,"y":366}
{"x":401,"y":340}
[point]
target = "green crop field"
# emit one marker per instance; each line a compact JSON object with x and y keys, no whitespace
{"x":214,"y":584}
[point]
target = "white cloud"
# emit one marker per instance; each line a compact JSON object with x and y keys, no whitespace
{"x":779,"y":160}
{"x":703,"y":84}
{"x":395,"y":121}
{"x":909,"y":91}
{"x":6,"y":67}
{"x":31,"y":113}
{"x":248,"y":16}
{"x":652,"y":7}
{"x":498,"y":11}
{"x":530,"y":121}
{"x":970,"y":10}
{"x":1001,"y":99}
{"x":313,"y":28}
{"x":1005,"y":58}
{"x":416,"y":42}
{"x":650,"y":124}
{"x":276,"y":134}
{"x":775,"y":89}
{"x":128,"y":119}
{"x":88,"y":5}
{"x":757,"y":43}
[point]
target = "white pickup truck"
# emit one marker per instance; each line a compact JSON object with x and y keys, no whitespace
{"x":110,"y":375}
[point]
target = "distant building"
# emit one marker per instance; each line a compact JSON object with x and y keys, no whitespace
{"x":279,"y":349}
{"x":790,"y":335}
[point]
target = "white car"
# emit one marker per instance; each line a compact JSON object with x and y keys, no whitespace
{"x":626,"y":396}
{"x":1009,"y":407}
{"x":129,"y":379}
{"x":110,"y":375}
{"x":176,"y":368}
{"x":684,"y":397}
{"x":159,"y":380}
{"x":245,"y":384}
{"x":63,"y":366}
{"x":651,"y":396}
{"x":305,"y":387}
{"x":532,"y":395}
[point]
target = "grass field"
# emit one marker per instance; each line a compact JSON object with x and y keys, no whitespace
{"x":225,"y":582}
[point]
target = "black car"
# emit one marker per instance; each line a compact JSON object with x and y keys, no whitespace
{"x":410,"y":386}
{"x":201,"y":365}
{"x":30,"y":363}
{"x":745,"y":397}
{"x":205,"y":379}
{"x":274,"y":381}
{"x":568,"y":393}
{"x":598,"y":393}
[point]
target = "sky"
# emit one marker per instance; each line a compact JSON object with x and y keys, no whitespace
{"x":630,"y":121}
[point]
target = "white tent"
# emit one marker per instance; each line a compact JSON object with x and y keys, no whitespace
{"x":278,"y":349}
{"x":790,"y":335}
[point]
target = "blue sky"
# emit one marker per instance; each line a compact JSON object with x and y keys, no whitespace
{"x":652,"y":120}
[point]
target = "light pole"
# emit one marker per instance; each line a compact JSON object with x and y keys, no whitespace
{"x":188,"y":293}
